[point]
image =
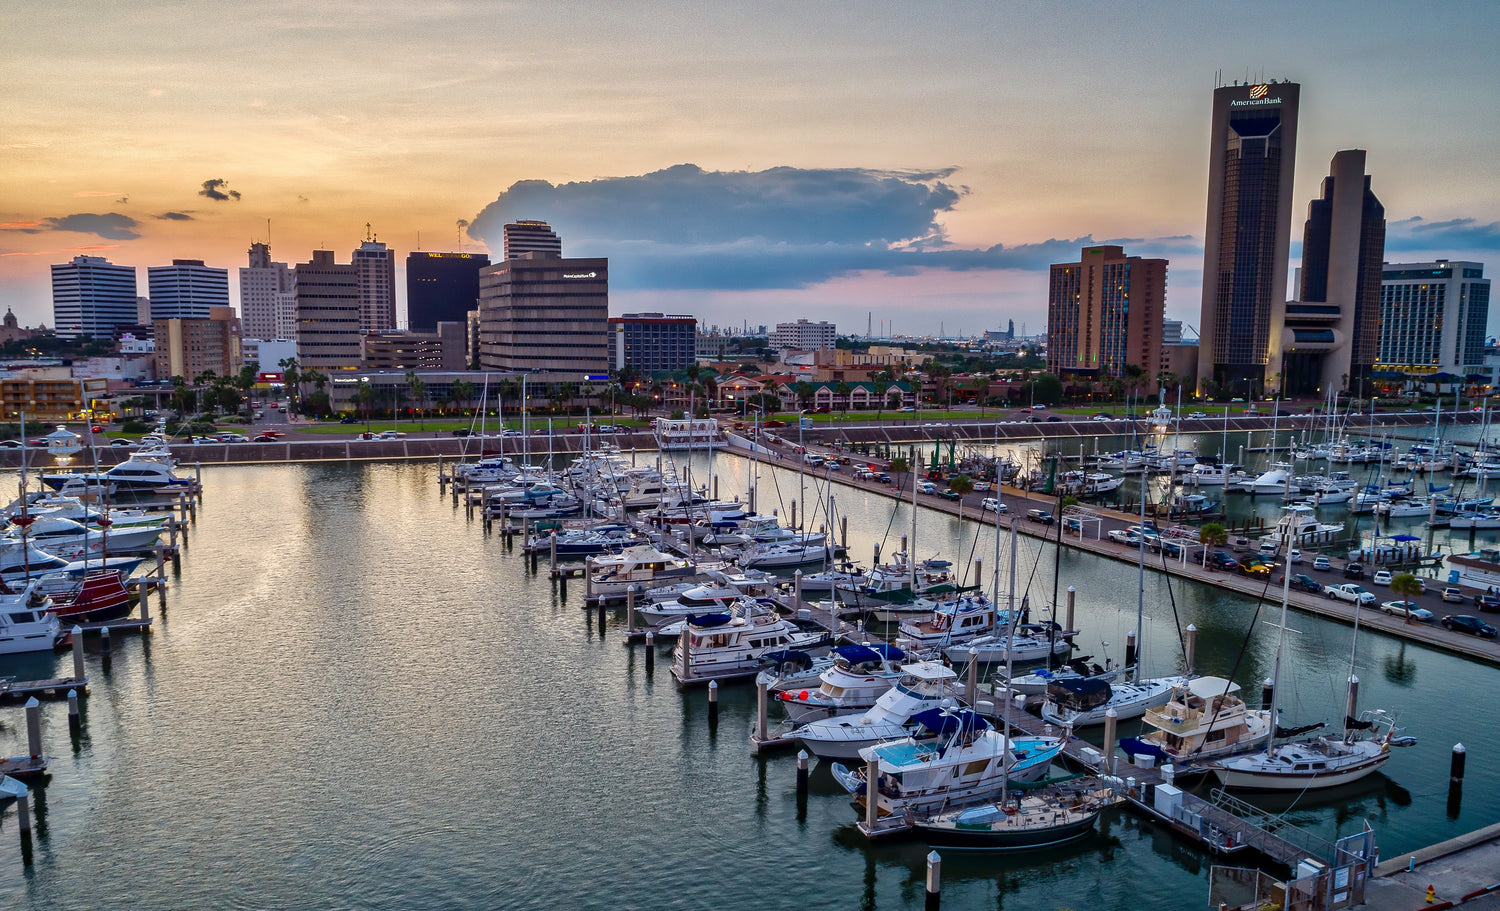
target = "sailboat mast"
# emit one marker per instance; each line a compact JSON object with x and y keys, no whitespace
{"x":911,"y":547}
{"x":1286,"y":594}
{"x":1010,"y":635}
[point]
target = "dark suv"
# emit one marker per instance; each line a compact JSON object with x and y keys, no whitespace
{"x":1306,"y":584}
{"x":1222,"y":560}
{"x":1487,"y":602}
{"x":1354,"y":571}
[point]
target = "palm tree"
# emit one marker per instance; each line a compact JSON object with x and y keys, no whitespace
{"x":462,"y":393}
{"x":412,"y":380}
{"x":289,"y":379}
{"x":963,"y":485}
{"x":804,"y":393}
{"x":364,"y":396}
{"x":1212,"y":535}
{"x":842,"y":390}
{"x":1408,"y":587}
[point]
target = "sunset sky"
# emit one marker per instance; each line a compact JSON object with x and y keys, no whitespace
{"x":757,"y":161}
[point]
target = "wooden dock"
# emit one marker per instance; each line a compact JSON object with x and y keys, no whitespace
{"x":24,"y":767}
{"x":56,"y":687}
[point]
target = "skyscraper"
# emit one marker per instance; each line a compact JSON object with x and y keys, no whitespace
{"x":328,"y":313}
{"x":91,"y":296}
{"x":1252,"y":151}
{"x":376,"y":266}
{"x":531,"y":237}
{"x":268,"y":297}
{"x":441,"y":288}
{"x":186,"y":289}
{"x":1433,"y":318}
{"x":545,"y":315}
{"x":1332,"y":329}
{"x":1104,"y":313}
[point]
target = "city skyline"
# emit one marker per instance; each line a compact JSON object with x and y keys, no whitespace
{"x":748,"y":160}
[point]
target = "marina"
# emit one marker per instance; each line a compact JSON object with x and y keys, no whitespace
{"x":343,"y":550}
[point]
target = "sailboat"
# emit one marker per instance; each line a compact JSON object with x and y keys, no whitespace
{"x":1323,"y":761}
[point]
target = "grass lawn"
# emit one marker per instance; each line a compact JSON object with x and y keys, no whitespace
{"x":559,"y":425}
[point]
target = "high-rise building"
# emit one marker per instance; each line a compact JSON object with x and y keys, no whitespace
{"x":91,"y":296}
{"x":268,"y":297}
{"x":537,"y":237}
{"x":1252,"y":151}
{"x":1332,"y":330}
{"x":652,"y":342}
{"x":441,"y":287}
{"x":375,"y":264}
{"x":1432,"y":318}
{"x":187,"y":289}
{"x":328,"y":313}
{"x":804,"y":335}
{"x":191,"y":347}
{"x":545,"y":315}
{"x":1104,"y":312}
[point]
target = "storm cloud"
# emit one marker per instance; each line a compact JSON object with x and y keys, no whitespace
{"x":174,"y":216}
{"x":1456,"y":237}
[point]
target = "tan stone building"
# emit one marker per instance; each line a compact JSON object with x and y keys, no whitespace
{"x":191,"y":347}
{"x":1105,"y":312}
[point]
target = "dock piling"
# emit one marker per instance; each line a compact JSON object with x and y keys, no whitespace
{"x":877,"y":554}
{"x":1456,"y":764}
{"x":552,"y":552}
{"x":761,"y":711}
{"x":713,"y":703}
{"x":1111,"y":719}
{"x":1072,"y":596}
{"x":1267,"y":693}
{"x":104,"y":642}
{"x":797,"y":590}
{"x":872,"y":793}
{"x":802,"y":774}
{"x":75,"y":721}
{"x":77,"y":634}
{"x":1189,"y":648}
{"x":844,"y":531}
{"x":971,"y":684}
{"x":1351,"y":708}
{"x":34,"y":727}
{"x":794,"y":524}
{"x":934,"y":880}
{"x":650,"y":652}
{"x":23,"y":815}
{"x":1130,"y":649}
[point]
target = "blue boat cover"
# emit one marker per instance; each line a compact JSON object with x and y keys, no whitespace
{"x":707,"y":619}
{"x":945,"y":722}
{"x":863,"y":654}
{"x":1134,"y":747}
{"x":791,"y":658}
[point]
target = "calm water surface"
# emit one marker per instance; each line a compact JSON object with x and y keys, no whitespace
{"x":357,"y":699}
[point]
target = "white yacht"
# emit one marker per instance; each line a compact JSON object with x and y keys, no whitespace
{"x":949,"y":623}
{"x":70,"y":539}
{"x":27,"y":623}
{"x":729,"y":646}
{"x":134,"y":475}
{"x":1274,"y":481}
{"x":1323,"y":762}
{"x":1084,"y":702}
{"x":691,"y":433}
{"x":891,"y":588}
{"x":719,"y":593}
{"x":1204,"y":719}
{"x":785,"y":555}
{"x":923,"y":685}
{"x":859,"y":675}
{"x":1030,"y":643}
{"x":642,"y":566}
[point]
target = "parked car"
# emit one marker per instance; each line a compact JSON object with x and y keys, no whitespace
{"x":1255,"y":566}
{"x":264,"y":438}
{"x":461,"y":432}
{"x":1321,"y":564}
{"x":11,"y":444}
{"x":1294,"y":556}
{"x":1039,"y":515}
{"x":1463,"y":623}
{"x":926,"y":487}
{"x":1223,"y":560}
{"x":1354,"y":571}
{"x":991,"y":504}
{"x":348,"y":419}
{"x":1488,"y":602}
{"x":1124,"y":536}
{"x":1405,"y":609}
{"x":1381,"y":577}
{"x":124,"y":444}
{"x":1306,"y":584}
{"x":982,"y":486}
{"x":883,"y":478}
{"x":1453,"y":594}
{"x":950,"y":495}
{"x":1350,"y":592}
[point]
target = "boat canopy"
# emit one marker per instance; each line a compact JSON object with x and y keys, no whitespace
{"x":787,"y":660}
{"x":946,"y":722}
{"x":707,"y":620}
{"x":929,"y":671}
{"x":1082,"y":694}
{"x":869,"y":654}
{"x":1211,"y":687}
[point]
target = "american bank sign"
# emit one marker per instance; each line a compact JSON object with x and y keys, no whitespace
{"x":1259,"y":94}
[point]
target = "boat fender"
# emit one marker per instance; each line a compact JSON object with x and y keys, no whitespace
{"x":802,"y":695}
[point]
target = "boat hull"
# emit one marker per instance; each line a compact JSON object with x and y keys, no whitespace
{"x":1003,"y":837}
{"x":1241,"y":780}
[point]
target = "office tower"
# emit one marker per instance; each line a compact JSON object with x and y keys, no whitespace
{"x":804,"y":335}
{"x":268,"y":297}
{"x":91,"y":296}
{"x":1252,"y":150}
{"x":328,"y":313}
{"x":531,"y":237}
{"x":376,"y":267}
{"x":187,"y":289}
{"x":1332,"y":330}
{"x":1432,"y":318}
{"x":191,"y":347}
{"x":441,"y":287}
{"x":1104,"y":312}
{"x":652,"y":342}
{"x":545,"y":315}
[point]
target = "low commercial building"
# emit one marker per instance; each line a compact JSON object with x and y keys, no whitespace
{"x":50,"y":394}
{"x":652,"y":342}
{"x":440,"y":350}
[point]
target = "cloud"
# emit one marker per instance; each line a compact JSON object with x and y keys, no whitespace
{"x":218,"y":190}
{"x":174,"y":216}
{"x":25,"y":227}
{"x":301,"y":198}
{"x":86,"y":248}
{"x":1452,"y":237}
{"x":123,"y":199}
{"x":88,"y":194}
{"x":782,"y":228}
{"x":110,"y":226}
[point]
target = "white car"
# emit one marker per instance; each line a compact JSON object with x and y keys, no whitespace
{"x":1383,"y":577}
{"x":993,"y":505}
{"x":926,"y":487}
{"x":391,"y":435}
{"x":1124,"y":536}
{"x":1294,"y":556}
{"x":981,"y":486}
{"x":1406,"y":609}
{"x":1197,"y":416}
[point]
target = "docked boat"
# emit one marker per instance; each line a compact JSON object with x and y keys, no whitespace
{"x":1478,"y":521}
{"x":923,"y":685}
{"x":1033,"y":642}
{"x":135,"y":475}
{"x":1033,"y":818}
{"x":859,"y":675}
{"x":1299,"y":525}
{"x":100,"y":595}
{"x":892,"y":589}
{"x":1480,"y":569}
{"x":953,"y":758}
{"x":1082,"y":703}
{"x":948,"y":623}
{"x":843,"y":574}
{"x":69,"y":539}
{"x":785,"y":555}
{"x":642,"y":566}
{"x":727,"y":646}
{"x":27,"y":623}
{"x":1205,"y":719}
{"x":1035,"y":682}
{"x":600,"y":539}
{"x":692,"y":433}
{"x":1404,"y":509}
{"x":1274,"y":481}
{"x":720,"y":592}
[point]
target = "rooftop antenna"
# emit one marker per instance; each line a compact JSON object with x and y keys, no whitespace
{"x":368,"y":236}
{"x":268,"y":232}
{"x":419,"y":241}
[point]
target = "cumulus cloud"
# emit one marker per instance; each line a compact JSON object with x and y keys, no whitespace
{"x":686,"y":228}
{"x":218,"y":190}
{"x":174,"y":216}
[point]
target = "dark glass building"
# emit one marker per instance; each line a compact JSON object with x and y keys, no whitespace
{"x":1252,"y":151}
{"x":441,"y":288}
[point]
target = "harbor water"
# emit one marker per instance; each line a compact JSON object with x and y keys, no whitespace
{"x":356,"y":698}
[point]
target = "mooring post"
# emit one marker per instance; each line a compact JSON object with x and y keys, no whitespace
{"x":34,"y":727}
{"x":1189,"y":648}
{"x":77,"y":634}
{"x":761,"y":710}
{"x":872,"y":792}
{"x":552,"y":552}
{"x":1130,"y":649}
{"x":844,"y":531}
{"x":1267,"y":694}
{"x":75,"y":721}
{"x":794,"y":524}
{"x":713,"y":704}
{"x":971,"y":685}
{"x":1111,"y":718}
{"x":104,"y":641}
{"x":716,"y":487}
{"x":1456,"y":764}
{"x":802,"y":774}
{"x":797,"y":590}
{"x":650,"y":652}
{"x":1072,"y":597}
{"x":934,"y":880}
{"x":23,"y":815}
